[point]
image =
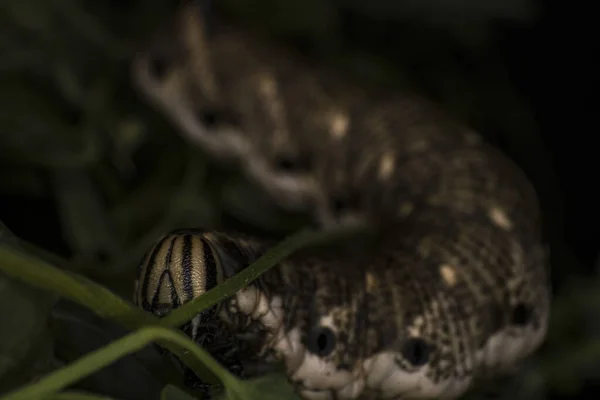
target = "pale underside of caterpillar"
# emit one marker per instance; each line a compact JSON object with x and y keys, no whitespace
{"x":456,"y":288}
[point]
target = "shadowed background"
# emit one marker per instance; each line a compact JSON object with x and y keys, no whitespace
{"x":90,"y":175}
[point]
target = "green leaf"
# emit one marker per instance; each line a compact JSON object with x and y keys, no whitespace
{"x":76,"y":395}
{"x":24,"y":311}
{"x":83,"y":291}
{"x":171,"y":392}
{"x":96,"y":360}
{"x":102,"y":301}
{"x":77,"y":331}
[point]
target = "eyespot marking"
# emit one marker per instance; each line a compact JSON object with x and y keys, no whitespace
{"x":212,"y":117}
{"x":321,"y":341}
{"x":342,"y":203}
{"x":158,"y":66}
{"x":416,"y":351}
{"x":521,"y":314}
{"x":297,"y":162}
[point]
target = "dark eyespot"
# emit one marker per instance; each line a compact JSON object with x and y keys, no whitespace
{"x":158,"y":65}
{"x":212,"y":117}
{"x":416,"y":351}
{"x":293,"y":162}
{"x":321,"y":341}
{"x":339,"y":205}
{"x":343,"y":202}
{"x":521,"y":314}
{"x":208,"y":117}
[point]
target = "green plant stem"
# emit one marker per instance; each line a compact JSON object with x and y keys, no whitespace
{"x":36,"y":272}
{"x":72,"y":395}
{"x":98,"y":359}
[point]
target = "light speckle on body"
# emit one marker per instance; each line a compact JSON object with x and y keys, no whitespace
{"x":268,"y":88}
{"x":267,"y":85}
{"x":371,"y":282}
{"x":415,"y":329}
{"x":387,"y":165}
{"x":499,"y":218}
{"x":449,"y":275}
{"x":338,"y":125}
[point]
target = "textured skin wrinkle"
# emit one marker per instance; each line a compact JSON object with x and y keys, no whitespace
{"x":454,"y":291}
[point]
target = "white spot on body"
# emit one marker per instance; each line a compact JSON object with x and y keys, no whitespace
{"x":508,"y":346}
{"x":319,"y":376}
{"x":393,"y":381}
{"x":387,"y":164}
{"x":316,"y":373}
{"x":269,"y":89}
{"x":449,"y":275}
{"x":319,"y":372}
{"x":419,"y":321}
{"x":253,"y":302}
{"x":371,"y":282}
{"x":267,"y":86}
{"x":338,"y":125}
{"x":415,"y":329}
{"x":499,"y":218}
{"x":195,"y":326}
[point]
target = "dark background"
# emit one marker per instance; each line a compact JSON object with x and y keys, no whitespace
{"x":93,"y":175}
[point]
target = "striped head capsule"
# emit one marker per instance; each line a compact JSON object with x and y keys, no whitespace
{"x":185,"y":264}
{"x":181,"y":266}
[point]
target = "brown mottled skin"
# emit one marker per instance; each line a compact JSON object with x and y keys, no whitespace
{"x":461,"y":259}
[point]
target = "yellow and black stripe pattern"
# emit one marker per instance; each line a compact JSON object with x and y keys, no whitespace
{"x":185,"y":264}
{"x":178,"y":268}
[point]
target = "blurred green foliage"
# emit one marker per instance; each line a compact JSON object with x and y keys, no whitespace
{"x":91,"y":176}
